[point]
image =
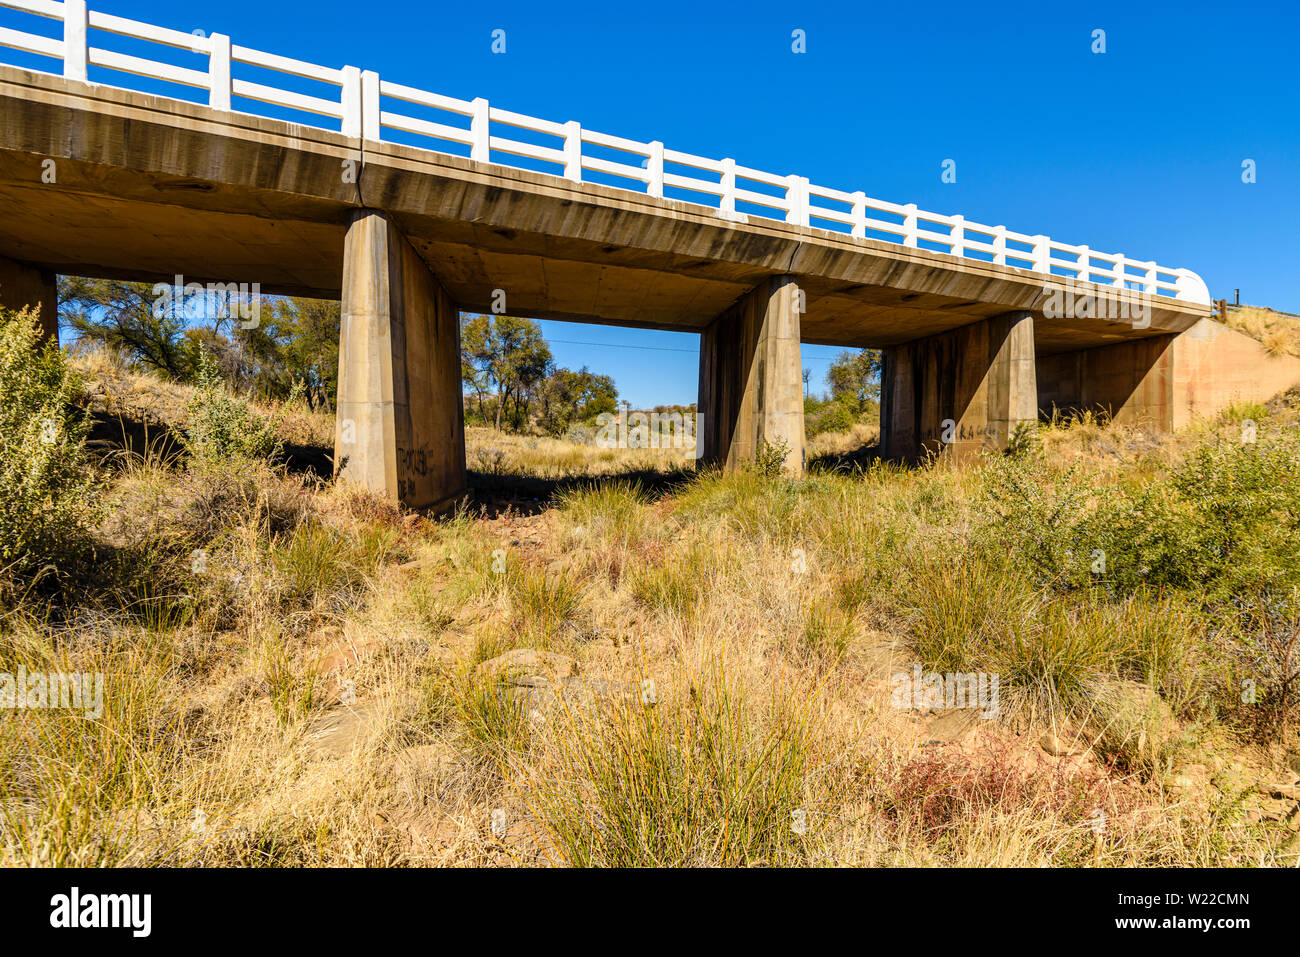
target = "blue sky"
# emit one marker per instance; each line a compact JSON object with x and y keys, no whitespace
{"x":1137,"y":150}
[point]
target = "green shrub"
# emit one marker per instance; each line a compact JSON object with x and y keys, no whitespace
{"x":319,"y":561}
{"x":544,"y":602}
{"x":1246,"y":505}
{"x":611,"y":510}
{"x":45,"y":480}
{"x":1038,"y":516}
{"x":676,"y":587}
{"x":825,"y":633}
{"x":1226,"y":520}
{"x":222,"y":426}
{"x":708,"y":775}
{"x":1025,"y":442}
{"x":769,"y":460}
{"x":834,"y":416}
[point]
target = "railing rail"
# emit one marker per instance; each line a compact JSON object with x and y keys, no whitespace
{"x":738,"y":191}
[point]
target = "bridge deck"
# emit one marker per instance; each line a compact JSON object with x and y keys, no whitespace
{"x":149,"y":187}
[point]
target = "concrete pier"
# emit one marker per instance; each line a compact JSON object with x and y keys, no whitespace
{"x":751,"y":385}
{"x":22,"y":285}
{"x":960,"y":392}
{"x":399,"y":430}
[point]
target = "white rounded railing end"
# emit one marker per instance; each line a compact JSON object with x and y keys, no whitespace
{"x":1191,"y":287}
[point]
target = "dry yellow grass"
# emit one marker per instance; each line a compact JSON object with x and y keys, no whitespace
{"x":495,"y":453}
{"x":310,"y":694}
{"x":1279,"y":334}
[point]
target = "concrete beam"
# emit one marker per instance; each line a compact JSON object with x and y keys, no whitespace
{"x":1164,"y":383}
{"x":22,"y":286}
{"x":751,"y":385}
{"x":149,"y":187}
{"x":400,"y":429}
{"x":960,"y":392}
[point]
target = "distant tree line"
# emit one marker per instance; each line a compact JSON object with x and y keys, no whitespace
{"x":293,"y":340}
{"x":510,"y":377}
{"x":512,"y":381}
{"x":854,"y":396}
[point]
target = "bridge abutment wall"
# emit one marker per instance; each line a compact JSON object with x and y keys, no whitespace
{"x":751,"y":381}
{"x":22,"y":285}
{"x":961,"y":391}
{"x":399,"y":430}
{"x":1165,"y":382}
{"x":1130,"y":381}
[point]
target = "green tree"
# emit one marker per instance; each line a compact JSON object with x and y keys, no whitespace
{"x":855,"y":377}
{"x":122,"y":316}
{"x":566,"y":396}
{"x":508,"y":354}
{"x":476,"y":349}
{"x":293,"y":340}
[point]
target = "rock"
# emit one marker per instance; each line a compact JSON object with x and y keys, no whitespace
{"x":587,"y":692}
{"x":1288,"y":792}
{"x":1189,"y":780}
{"x":338,"y":733}
{"x":953,"y":726}
{"x":1273,"y":810}
{"x":1134,"y":722}
{"x":537,"y":695}
{"x":528,"y":662}
{"x":416,"y":770}
{"x":344,"y":655}
{"x":1053,"y":745}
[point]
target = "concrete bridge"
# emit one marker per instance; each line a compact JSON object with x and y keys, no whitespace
{"x":409,"y":219}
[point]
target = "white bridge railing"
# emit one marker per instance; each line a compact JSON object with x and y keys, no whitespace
{"x":356,"y":99}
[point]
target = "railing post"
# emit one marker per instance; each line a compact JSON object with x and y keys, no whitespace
{"x":371,"y":128}
{"x":1085,"y":266}
{"x":859,"y":215}
{"x":76,"y":44}
{"x":796,"y":193}
{"x":479,"y":129}
{"x":1042,"y":254}
{"x":351,"y":102}
{"x":219,"y":72}
{"x":1149,"y":284}
{"x":909,"y":225}
{"x":957,"y":234}
{"x":1120,"y":274}
{"x":655,"y":170}
{"x":727,"y":201}
{"x":573,"y":151}
{"x":1000,"y":245}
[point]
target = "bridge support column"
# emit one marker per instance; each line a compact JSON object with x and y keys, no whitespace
{"x":751,"y":385}
{"x":22,"y":285}
{"x":399,"y":431}
{"x":960,"y":391}
{"x":1163,"y":382}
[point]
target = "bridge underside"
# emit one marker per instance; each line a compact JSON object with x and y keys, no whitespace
{"x":146,"y":188}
